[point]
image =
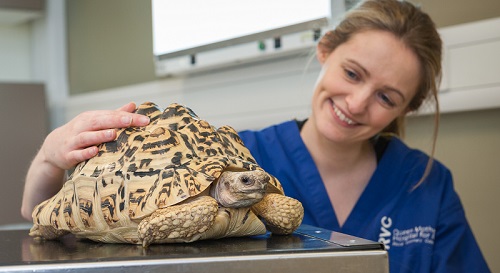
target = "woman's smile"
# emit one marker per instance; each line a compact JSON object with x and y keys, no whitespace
{"x":341,"y":116}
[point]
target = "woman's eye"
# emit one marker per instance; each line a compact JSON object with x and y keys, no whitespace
{"x":386,"y":99}
{"x":351,"y":74}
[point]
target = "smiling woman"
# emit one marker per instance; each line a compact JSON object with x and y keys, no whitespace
{"x":346,"y":162}
{"x":367,"y":83}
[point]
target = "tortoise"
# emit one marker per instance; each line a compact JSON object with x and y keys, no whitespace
{"x":178,"y":179}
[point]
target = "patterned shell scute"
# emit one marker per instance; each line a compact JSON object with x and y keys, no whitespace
{"x":175,"y":157}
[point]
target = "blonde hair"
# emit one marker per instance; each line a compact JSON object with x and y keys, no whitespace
{"x":417,"y":31}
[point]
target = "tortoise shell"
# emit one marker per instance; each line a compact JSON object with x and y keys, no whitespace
{"x":176,"y":157}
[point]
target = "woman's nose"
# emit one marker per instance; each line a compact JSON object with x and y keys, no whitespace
{"x":357,"y":101}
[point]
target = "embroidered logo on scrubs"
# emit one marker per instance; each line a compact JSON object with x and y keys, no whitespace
{"x":385,"y":233}
{"x":403,"y":237}
{"x":414,"y":235}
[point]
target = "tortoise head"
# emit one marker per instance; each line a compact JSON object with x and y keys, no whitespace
{"x":240,"y":188}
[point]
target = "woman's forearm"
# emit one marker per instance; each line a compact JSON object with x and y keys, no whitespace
{"x":43,"y":180}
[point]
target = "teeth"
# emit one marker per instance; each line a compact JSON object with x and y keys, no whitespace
{"x":342,"y":116}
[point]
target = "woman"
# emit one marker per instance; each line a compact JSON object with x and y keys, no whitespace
{"x":345,"y":163}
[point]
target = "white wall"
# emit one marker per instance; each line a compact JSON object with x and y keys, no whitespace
{"x":471,"y":65}
{"x":243,"y":97}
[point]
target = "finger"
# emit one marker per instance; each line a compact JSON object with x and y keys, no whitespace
{"x":78,"y":156}
{"x":133,"y":120}
{"x":87,"y":139}
{"x":110,"y":120}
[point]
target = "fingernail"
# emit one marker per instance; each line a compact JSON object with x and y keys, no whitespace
{"x":144,"y":120}
{"x":108,"y":133}
{"x":93,"y":151}
{"x":126,"y":120}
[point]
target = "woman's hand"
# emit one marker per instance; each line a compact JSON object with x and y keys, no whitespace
{"x":69,"y":145}
{"x":77,"y":140}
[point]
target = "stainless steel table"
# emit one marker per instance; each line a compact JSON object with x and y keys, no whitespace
{"x":309,"y":249}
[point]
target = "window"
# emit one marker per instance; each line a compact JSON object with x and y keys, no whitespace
{"x":190,"y":35}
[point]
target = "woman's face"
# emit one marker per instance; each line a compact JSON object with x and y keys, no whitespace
{"x":365,"y":83}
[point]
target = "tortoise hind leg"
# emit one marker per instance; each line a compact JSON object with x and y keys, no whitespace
{"x":179,"y":223}
{"x":46,"y":232}
{"x":282,"y":214}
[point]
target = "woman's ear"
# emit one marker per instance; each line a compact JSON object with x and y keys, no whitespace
{"x":321,"y":54}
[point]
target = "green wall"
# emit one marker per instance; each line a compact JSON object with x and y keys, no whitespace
{"x":109,"y":44}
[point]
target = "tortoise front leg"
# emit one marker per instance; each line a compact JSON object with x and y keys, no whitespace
{"x":180,"y":223}
{"x":282,"y":214}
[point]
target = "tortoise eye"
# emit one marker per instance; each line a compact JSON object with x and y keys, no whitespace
{"x":246,"y":180}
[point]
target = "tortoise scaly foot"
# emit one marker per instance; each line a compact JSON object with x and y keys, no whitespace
{"x":179,"y":223}
{"x":282,"y":214}
{"x":41,"y":232}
